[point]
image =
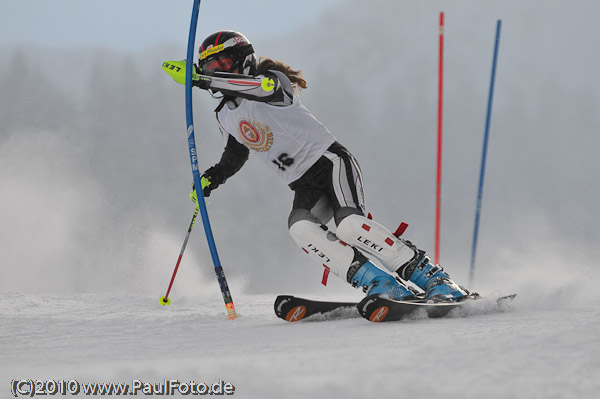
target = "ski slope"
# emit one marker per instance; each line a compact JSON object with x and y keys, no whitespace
{"x":533,"y":350}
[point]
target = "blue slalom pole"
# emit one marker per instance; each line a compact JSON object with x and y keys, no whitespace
{"x":484,"y":153}
{"x":194,"y":162}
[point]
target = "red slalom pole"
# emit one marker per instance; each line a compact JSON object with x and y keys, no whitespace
{"x":438,"y":206}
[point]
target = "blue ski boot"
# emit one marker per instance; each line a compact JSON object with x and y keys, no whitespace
{"x":373,"y":280}
{"x":432,"y":279}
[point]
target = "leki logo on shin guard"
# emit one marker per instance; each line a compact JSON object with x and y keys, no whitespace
{"x":319,"y":253}
{"x":370,"y":244}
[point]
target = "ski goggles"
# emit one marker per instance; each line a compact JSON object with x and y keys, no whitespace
{"x":219,"y":63}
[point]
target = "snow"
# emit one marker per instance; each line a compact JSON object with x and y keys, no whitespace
{"x":529,"y":351}
{"x":94,"y":206}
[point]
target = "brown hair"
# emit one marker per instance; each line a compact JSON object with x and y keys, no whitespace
{"x":295,"y":76}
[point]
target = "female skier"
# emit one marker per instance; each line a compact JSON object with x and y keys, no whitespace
{"x":260,"y":111}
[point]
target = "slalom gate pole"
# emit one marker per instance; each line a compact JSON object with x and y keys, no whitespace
{"x":165,"y":300}
{"x":194,"y":163}
{"x":484,"y":153}
{"x":438,"y":206}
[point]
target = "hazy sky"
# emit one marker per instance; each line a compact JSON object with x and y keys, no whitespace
{"x":131,"y":24}
{"x":100,"y":138}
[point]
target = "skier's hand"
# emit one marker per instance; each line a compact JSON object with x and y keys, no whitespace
{"x":194,"y":195}
{"x":203,"y":83}
{"x":213,"y":177}
{"x":203,"y":80}
{"x":177,"y":70}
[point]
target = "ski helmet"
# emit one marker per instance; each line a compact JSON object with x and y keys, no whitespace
{"x":227,"y":51}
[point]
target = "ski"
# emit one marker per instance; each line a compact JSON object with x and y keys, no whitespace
{"x":378,"y":309}
{"x":291,"y":308}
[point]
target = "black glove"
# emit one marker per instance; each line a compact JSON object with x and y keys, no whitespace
{"x":216,"y":176}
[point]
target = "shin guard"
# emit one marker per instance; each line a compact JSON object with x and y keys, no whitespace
{"x":375,"y":240}
{"x":323,"y":246}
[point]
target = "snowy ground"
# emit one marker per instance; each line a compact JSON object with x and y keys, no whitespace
{"x":531,"y":351}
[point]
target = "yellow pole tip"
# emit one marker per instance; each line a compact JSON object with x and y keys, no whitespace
{"x":165,"y":301}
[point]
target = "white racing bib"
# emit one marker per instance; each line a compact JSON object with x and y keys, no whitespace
{"x":289,"y":139}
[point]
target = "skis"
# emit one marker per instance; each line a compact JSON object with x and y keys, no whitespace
{"x":378,"y":309}
{"x":291,"y":308}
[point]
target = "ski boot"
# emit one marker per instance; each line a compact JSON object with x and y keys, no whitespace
{"x":373,"y":280}
{"x":432,"y":279}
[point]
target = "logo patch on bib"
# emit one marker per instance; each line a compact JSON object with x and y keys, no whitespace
{"x":256,"y":136}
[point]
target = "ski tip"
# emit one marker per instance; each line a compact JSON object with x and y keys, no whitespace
{"x":279,"y":304}
{"x":371,"y":309}
{"x":165,"y":301}
{"x":295,"y":313}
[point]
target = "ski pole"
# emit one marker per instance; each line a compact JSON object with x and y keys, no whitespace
{"x":165,"y":300}
{"x":194,"y":163}
{"x":484,"y":153}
